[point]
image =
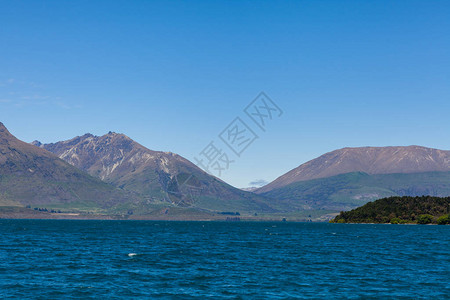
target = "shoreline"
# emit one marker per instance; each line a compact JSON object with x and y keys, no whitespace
{"x":152,"y":218}
{"x":166,"y":214}
{"x":81,"y":217}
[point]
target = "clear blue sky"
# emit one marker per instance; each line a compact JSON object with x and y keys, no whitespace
{"x":173,"y":74}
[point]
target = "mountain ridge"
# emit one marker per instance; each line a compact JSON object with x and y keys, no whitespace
{"x":161,"y":176}
{"x":165,"y":179}
{"x":370,"y":160}
{"x":348,"y":191}
{"x":34,"y":176}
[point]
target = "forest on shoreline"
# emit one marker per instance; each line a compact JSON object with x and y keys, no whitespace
{"x":400,"y":210}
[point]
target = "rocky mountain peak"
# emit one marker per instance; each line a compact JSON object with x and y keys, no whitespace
{"x":4,"y":131}
{"x":36,"y":143}
{"x":87,"y":135}
{"x":36,"y":176}
{"x":155,"y":175}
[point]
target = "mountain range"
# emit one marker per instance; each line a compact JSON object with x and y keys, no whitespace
{"x":350,"y":177}
{"x":33,"y":176}
{"x":370,"y":160}
{"x":112,"y":174}
{"x":158,"y":177}
{"x":350,"y":190}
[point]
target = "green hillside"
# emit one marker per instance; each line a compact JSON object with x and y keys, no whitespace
{"x":398,"y":210}
{"x":351,"y":190}
{"x":35,"y":178}
{"x":158,"y":177}
{"x":30,"y":176}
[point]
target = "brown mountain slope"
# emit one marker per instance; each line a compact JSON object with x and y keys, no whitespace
{"x":371,"y":160}
{"x":33,"y":176}
{"x":158,"y":176}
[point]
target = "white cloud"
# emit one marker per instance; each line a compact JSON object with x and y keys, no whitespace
{"x":258,"y":183}
{"x":27,"y":94}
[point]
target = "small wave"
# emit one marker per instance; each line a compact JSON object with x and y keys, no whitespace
{"x":132,"y":254}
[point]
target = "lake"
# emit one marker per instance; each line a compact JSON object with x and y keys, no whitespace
{"x":149,"y":259}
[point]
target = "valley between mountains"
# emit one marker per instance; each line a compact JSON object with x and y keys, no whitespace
{"x":112,"y":176}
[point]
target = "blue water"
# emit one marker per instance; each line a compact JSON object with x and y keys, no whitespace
{"x":82,"y":259}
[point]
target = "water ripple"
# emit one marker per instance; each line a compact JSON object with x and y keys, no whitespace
{"x":143,"y":259}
